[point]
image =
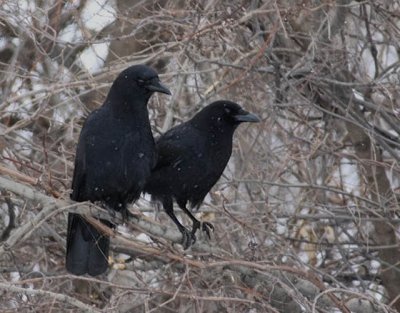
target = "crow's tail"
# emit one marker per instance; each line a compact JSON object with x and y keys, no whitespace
{"x":87,"y":248}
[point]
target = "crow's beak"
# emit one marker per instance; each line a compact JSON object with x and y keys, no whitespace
{"x":245,"y":116}
{"x":156,"y":86}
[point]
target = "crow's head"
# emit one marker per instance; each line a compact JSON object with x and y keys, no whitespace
{"x":142,"y":79}
{"x":224,"y":113}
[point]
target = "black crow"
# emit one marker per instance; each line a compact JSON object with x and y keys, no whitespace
{"x":114,"y":157}
{"x":191,"y":159}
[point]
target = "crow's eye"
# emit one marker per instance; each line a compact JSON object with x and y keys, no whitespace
{"x":228,"y":111}
{"x":141,"y":81}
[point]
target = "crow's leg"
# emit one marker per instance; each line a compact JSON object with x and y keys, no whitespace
{"x":205,"y":226}
{"x":188,"y":238}
{"x":123,"y":208}
{"x":117,"y":206}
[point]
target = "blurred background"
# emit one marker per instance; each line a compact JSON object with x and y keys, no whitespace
{"x":306,"y":214}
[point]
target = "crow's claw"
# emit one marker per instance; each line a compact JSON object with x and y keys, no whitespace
{"x":188,"y":238}
{"x":206,"y":227}
{"x":110,"y":210}
{"x":126,"y":215}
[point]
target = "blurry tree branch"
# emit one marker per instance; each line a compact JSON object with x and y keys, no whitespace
{"x":52,"y":206}
{"x":9,"y":287}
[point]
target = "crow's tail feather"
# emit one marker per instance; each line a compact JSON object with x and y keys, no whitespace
{"x":87,"y":248}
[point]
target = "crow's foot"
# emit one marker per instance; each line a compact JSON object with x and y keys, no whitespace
{"x":188,"y":238}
